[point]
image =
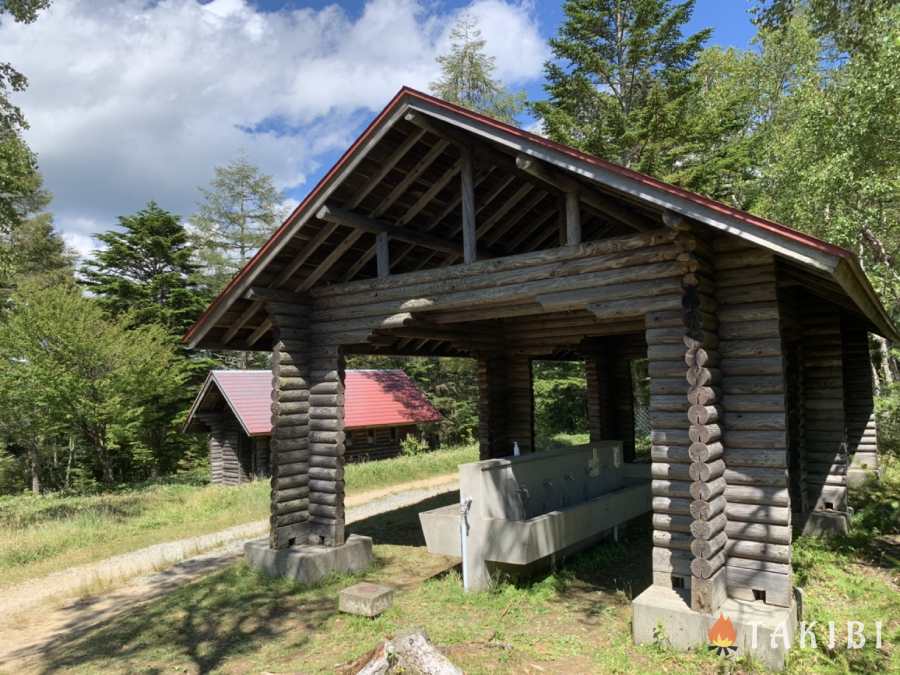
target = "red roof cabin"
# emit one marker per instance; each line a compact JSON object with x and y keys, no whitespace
{"x":234,"y":407}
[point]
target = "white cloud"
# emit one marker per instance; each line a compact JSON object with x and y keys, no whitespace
{"x":131,"y":101}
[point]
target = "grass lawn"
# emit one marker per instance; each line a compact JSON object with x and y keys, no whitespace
{"x":573,"y":620}
{"x":43,"y":534}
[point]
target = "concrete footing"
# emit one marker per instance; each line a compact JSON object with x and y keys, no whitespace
{"x":307,"y":563}
{"x":823,"y":523}
{"x":764,"y":631}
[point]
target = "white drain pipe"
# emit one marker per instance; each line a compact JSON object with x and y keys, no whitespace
{"x":465,"y":503}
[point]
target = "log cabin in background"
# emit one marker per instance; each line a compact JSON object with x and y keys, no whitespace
{"x":443,"y":232}
{"x":234,"y":407}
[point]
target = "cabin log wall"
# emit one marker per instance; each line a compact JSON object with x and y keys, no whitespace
{"x":224,"y":452}
{"x":385,"y":442}
{"x":505,"y":405}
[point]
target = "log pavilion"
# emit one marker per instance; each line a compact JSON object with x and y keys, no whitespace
{"x":234,"y":408}
{"x":444,"y":232}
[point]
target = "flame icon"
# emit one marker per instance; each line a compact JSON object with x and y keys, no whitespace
{"x":722,"y":634}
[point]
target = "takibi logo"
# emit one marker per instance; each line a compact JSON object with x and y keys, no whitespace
{"x":722,"y":636}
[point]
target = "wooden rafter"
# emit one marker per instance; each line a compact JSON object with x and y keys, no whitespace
{"x":541,"y":171}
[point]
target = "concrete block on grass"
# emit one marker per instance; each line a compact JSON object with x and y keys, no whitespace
{"x":365,"y":599}
{"x":308,"y":563}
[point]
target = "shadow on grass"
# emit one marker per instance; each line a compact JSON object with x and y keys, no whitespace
{"x":221,"y":616}
{"x":401,"y":526}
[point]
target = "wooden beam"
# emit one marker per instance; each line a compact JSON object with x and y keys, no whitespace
{"x":470,"y":237}
{"x":541,"y":171}
{"x":262,"y":293}
{"x":383,"y":254}
{"x":573,"y":218}
{"x":335,"y":214}
{"x":261,"y":330}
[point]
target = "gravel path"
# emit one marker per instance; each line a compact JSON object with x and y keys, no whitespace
{"x":222,"y":546}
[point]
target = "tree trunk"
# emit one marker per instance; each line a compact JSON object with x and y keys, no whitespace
{"x":886,"y":374}
{"x":35,"y":461}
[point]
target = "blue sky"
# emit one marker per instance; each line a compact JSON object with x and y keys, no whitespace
{"x":729,"y":19}
{"x":130,"y":100}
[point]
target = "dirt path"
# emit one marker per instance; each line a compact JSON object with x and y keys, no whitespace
{"x":32,"y":613}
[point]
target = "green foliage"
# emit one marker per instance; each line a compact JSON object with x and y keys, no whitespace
{"x":239,"y":212}
{"x":560,"y":397}
{"x":67,"y":371}
{"x":831,"y":161}
{"x":21,"y":186}
{"x":145,"y":272}
{"x":35,"y":250}
{"x":620,"y":81}
{"x":467,"y":75}
{"x":413,"y":445}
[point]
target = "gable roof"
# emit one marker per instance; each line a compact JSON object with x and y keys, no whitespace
{"x":372,"y":398}
{"x":305,"y":251}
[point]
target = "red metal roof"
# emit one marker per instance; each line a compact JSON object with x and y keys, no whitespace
{"x":376,"y":398}
{"x":372,"y":398}
{"x":407,"y":94}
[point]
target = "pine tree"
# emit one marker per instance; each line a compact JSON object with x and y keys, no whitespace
{"x":467,"y":75}
{"x":146,"y":270}
{"x":238,"y":213}
{"x":620,"y":80}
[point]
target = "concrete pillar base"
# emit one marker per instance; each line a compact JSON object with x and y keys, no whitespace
{"x":823,"y":523}
{"x":664,"y":615}
{"x":309,"y":564}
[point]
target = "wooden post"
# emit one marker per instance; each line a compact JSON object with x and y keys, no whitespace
{"x":383,"y":254}
{"x":289,"y":445}
{"x":573,"y":218}
{"x":470,"y":244}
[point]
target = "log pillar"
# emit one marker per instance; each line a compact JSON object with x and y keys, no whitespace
{"x":327,"y":443}
{"x":825,"y":432}
{"x":753,"y":396}
{"x":599,"y":404}
{"x":505,"y":405}
{"x":859,"y":405}
{"x":610,"y":394}
{"x":289,"y":446}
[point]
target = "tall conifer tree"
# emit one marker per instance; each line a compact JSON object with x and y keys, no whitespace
{"x":620,"y":80}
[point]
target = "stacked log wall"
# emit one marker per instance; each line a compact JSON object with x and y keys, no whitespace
{"x":825,"y":435}
{"x":225,"y":442}
{"x":289,"y":445}
{"x":753,"y":396}
{"x":859,"y":405}
{"x":327,"y":442}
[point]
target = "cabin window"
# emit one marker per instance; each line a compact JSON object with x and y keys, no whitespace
{"x":393,"y":433}
{"x":370,"y":436}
